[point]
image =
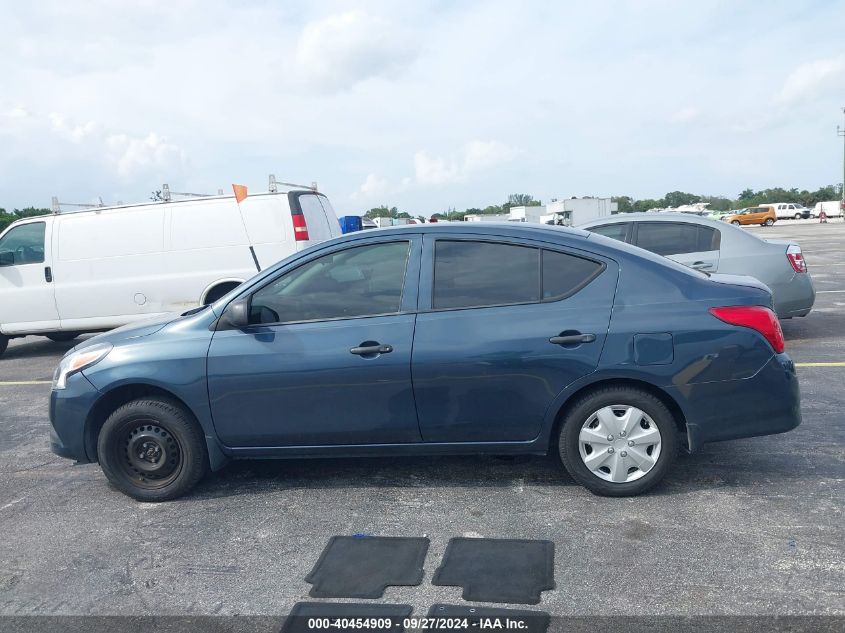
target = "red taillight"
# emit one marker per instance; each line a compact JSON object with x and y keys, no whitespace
{"x":300,"y":228}
{"x":757,"y":318}
{"x":793,"y":254}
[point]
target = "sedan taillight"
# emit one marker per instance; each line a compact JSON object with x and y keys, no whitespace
{"x":755,"y":317}
{"x":793,"y":254}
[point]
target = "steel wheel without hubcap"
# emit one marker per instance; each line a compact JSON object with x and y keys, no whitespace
{"x":619,"y":443}
{"x":148,"y":455}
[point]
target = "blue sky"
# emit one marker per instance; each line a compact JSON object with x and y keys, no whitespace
{"x":423,"y":105}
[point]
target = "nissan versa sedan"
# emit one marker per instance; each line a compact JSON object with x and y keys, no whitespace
{"x":711,"y":246}
{"x":436,"y":339}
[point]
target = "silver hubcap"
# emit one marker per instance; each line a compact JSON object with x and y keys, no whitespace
{"x":619,"y":443}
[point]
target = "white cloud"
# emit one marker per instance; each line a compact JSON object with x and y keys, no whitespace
{"x":432,"y":171}
{"x":343,"y":49}
{"x":153,"y":152}
{"x":474,"y":157}
{"x":810,"y":78}
{"x":685,"y":115}
{"x":70,"y":131}
{"x":18,"y":112}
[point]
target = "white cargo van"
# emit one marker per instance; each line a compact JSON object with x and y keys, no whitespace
{"x":832,"y":209}
{"x":96,"y":269}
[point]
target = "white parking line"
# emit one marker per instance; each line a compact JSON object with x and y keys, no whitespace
{"x":826,"y":292}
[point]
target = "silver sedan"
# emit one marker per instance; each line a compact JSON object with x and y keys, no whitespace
{"x":711,"y":246}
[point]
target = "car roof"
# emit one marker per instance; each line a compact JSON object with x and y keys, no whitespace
{"x":654,"y":217}
{"x":515,"y":229}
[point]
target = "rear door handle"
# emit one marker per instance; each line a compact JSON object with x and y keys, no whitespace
{"x":572,"y":339}
{"x":366,"y":350}
{"x":48,"y":274}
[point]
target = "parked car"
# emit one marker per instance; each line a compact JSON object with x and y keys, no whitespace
{"x":712,"y":246}
{"x":719,"y":215}
{"x":791,"y":211}
{"x":96,"y":269}
{"x":832,"y":209}
{"x":436,"y":339}
{"x":763,"y":215}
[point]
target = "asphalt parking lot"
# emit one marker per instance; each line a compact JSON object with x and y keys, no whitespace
{"x":750,"y":527}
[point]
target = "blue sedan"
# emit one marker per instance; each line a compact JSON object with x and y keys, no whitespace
{"x":436,"y":339}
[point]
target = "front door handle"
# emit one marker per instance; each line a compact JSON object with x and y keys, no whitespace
{"x":371,"y":349}
{"x":48,"y":274}
{"x":702,"y":265}
{"x":572,"y":339}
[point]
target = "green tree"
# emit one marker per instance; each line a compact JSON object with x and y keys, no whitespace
{"x":625,"y":204}
{"x":678,"y":198}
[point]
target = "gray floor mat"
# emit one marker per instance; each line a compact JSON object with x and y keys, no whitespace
{"x":362,"y":567}
{"x":341,"y":617}
{"x":507,"y":619}
{"x":498,"y":570}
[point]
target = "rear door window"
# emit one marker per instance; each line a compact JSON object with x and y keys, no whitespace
{"x":564,"y":275}
{"x":475,"y":274}
{"x":675,"y":238}
{"x":617,"y":231}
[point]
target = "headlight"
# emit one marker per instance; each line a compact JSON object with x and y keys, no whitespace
{"x":77,"y":361}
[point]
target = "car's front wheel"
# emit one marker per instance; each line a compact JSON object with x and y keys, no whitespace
{"x":735,"y":222}
{"x":618,"y":441}
{"x":768,"y":222}
{"x":798,"y":216}
{"x":152,"y":450}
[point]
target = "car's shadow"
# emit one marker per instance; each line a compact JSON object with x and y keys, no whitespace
{"x":734,"y":465}
{"x":39,"y":347}
{"x":816,"y":325}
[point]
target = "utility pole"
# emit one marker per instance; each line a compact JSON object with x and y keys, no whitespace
{"x":841,"y":132}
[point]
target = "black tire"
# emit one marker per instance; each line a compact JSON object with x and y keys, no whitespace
{"x":175,"y":456}
{"x":798,"y":216}
{"x":769,"y":222}
{"x":735,"y":222}
{"x":4,"y":343}
{"x":582,"y":411}
{"x":62,"y":337}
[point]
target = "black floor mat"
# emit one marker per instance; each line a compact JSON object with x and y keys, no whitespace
{"x":498,"y":570}
{"x":361,"y":567}
{"x":340,"y":617}
{"x":494,"y":618}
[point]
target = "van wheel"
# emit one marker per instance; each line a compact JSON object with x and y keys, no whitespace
{"x":4,"y":343}
{"x":735,"y":222}
{"x":152,"y":450}
{"x":62,"y":337}
{"x":618,"y":441}
{"x":797,"y":216}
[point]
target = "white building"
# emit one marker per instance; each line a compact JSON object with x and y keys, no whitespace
{"x":575,"y":211}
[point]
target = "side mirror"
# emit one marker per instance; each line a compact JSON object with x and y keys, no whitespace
{"x":7,"y":258}
{"x":236,"y":315}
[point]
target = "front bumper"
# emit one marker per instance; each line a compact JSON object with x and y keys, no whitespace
{"x":69,"y":410}
{"x":767,"y":403}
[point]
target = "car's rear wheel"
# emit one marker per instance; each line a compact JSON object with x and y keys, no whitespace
{"x":152,"y":450}
{"x":735,"y":222}
{"x":62,"y":337}
{"x":768,"y":222}
{"x":618,"y":441}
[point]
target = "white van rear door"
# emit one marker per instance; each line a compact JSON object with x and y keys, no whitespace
{"x":317,"y":221}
